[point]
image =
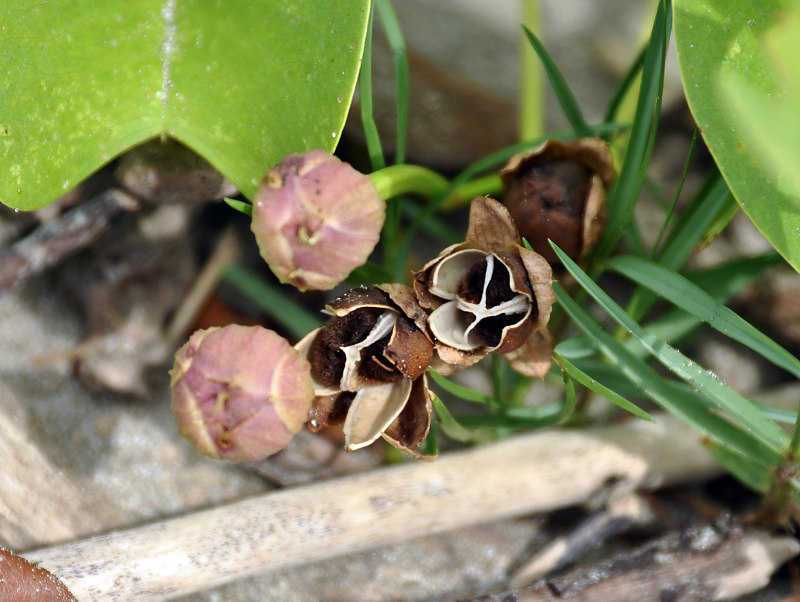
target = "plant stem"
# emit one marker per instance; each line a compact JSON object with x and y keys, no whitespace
{"x":397,"y":180}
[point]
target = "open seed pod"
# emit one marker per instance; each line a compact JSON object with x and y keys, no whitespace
{"x":368,"y":366}
{"x":489,"y":295}
{"x":558,"y":191}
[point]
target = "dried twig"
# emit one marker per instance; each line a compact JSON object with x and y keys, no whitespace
{"x":58,"y":239}
{"x":532,"y":473}
{"x":40,"y":504}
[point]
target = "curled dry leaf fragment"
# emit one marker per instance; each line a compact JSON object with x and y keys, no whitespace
{"x":240,"y":392}
{"x":489,"y":295}
{"x":368,"y":366}
{"x":22,"y":581}
{"x":558,"y":191}
{"x":315,"y":219}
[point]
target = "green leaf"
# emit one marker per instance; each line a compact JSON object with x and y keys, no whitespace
{"x":453,"y":429}
{"x":736,"y":406}
{"x":463,"y":392}
{"x":674,"y":397}
{"x":240,"y":84}
{"x":273,"y":300}
{"x":738,"y":61}
{"x":691,"y":298}
{"x":564,"y":95}
{"x":240,"y":206}
{"x":600,"y":389}
{"x":623,"y":197}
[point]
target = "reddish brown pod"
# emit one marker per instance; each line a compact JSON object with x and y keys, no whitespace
{"x":22,"y":581}
{"x":489,"y":295}
{"x":368,"y":366}
{"x":557,"y":191}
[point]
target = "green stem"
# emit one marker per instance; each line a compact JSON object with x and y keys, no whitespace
{"x":531,"y":102}
{"x":397,"y":180}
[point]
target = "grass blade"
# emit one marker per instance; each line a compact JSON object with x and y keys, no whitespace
{"x":600,"y":389}
{"x":736,"y":406}
{"x":453,"y":429}
{"x":463,"y":392}
{"x":564,"y":95}
{"x":627,"y":82}
{"x":625,"y":193}
{"x":394,"y":34}
{"x":293,"y":317}
{"x":240,"y":206}
{"x":365,"y":98}
{"x":691,"y":298}
{"x":671,"y":396}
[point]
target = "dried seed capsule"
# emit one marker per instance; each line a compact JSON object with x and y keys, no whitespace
{"x":489,"y":295}
{"x":315,"y":219}
{"x":240,"y":392}
{"x":557,"y":191}
{"x":368,"y":364}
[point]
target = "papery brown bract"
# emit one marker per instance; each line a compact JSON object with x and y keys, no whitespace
{"x":368,"y":366}
{"x":240,"y":392}
{"x":315,"y":219}
{"x":557,"y":191}
{"x":489,"y":295}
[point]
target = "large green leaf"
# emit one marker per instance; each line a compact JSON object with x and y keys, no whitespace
{"x":740,"y":63}
{"x":241,"y":83}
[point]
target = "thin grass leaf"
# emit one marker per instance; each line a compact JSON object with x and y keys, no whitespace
{"x":741,"y":467}
{"x":590,"y":383}
{"x":624,"y":86}
{"x":691,"y":298}
{"x":240,"y":206}
{"x":677,"y":195}
{"x":520,"y":417}
{"x":777,"y":414}
{"x":674,"y":397}
{"x":609,"y":375}
{"x":576,"y":347}
{"x":463,"y":392}
{"x":275,"y":303}
{"x":569,"y":391}
{"x":721,"y":282}
{"x":625,"y":193}
{"x":365,"y":98}
{"x":724,"y":216}
{"x":736,"y":406}
{"x":438,"y":227}
{"x":564,"y":95}
{"x":397,"y":44}
{"x":713,"y":197}
{"x":453,"y":429}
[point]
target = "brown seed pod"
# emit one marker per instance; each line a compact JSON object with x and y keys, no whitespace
{"x":368,"y":364}
{"x":489,"y":295}
{"x":558,"y":191}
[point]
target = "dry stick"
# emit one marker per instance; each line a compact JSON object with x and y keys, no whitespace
{"x":226,"y":252}
{"x":40,"y":504}
{"x":538,"y":472}
{"x":58,"y":239}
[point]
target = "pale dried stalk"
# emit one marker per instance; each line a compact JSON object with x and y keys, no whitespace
{"x":526,"y":474}
{"x":40,"y":504}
